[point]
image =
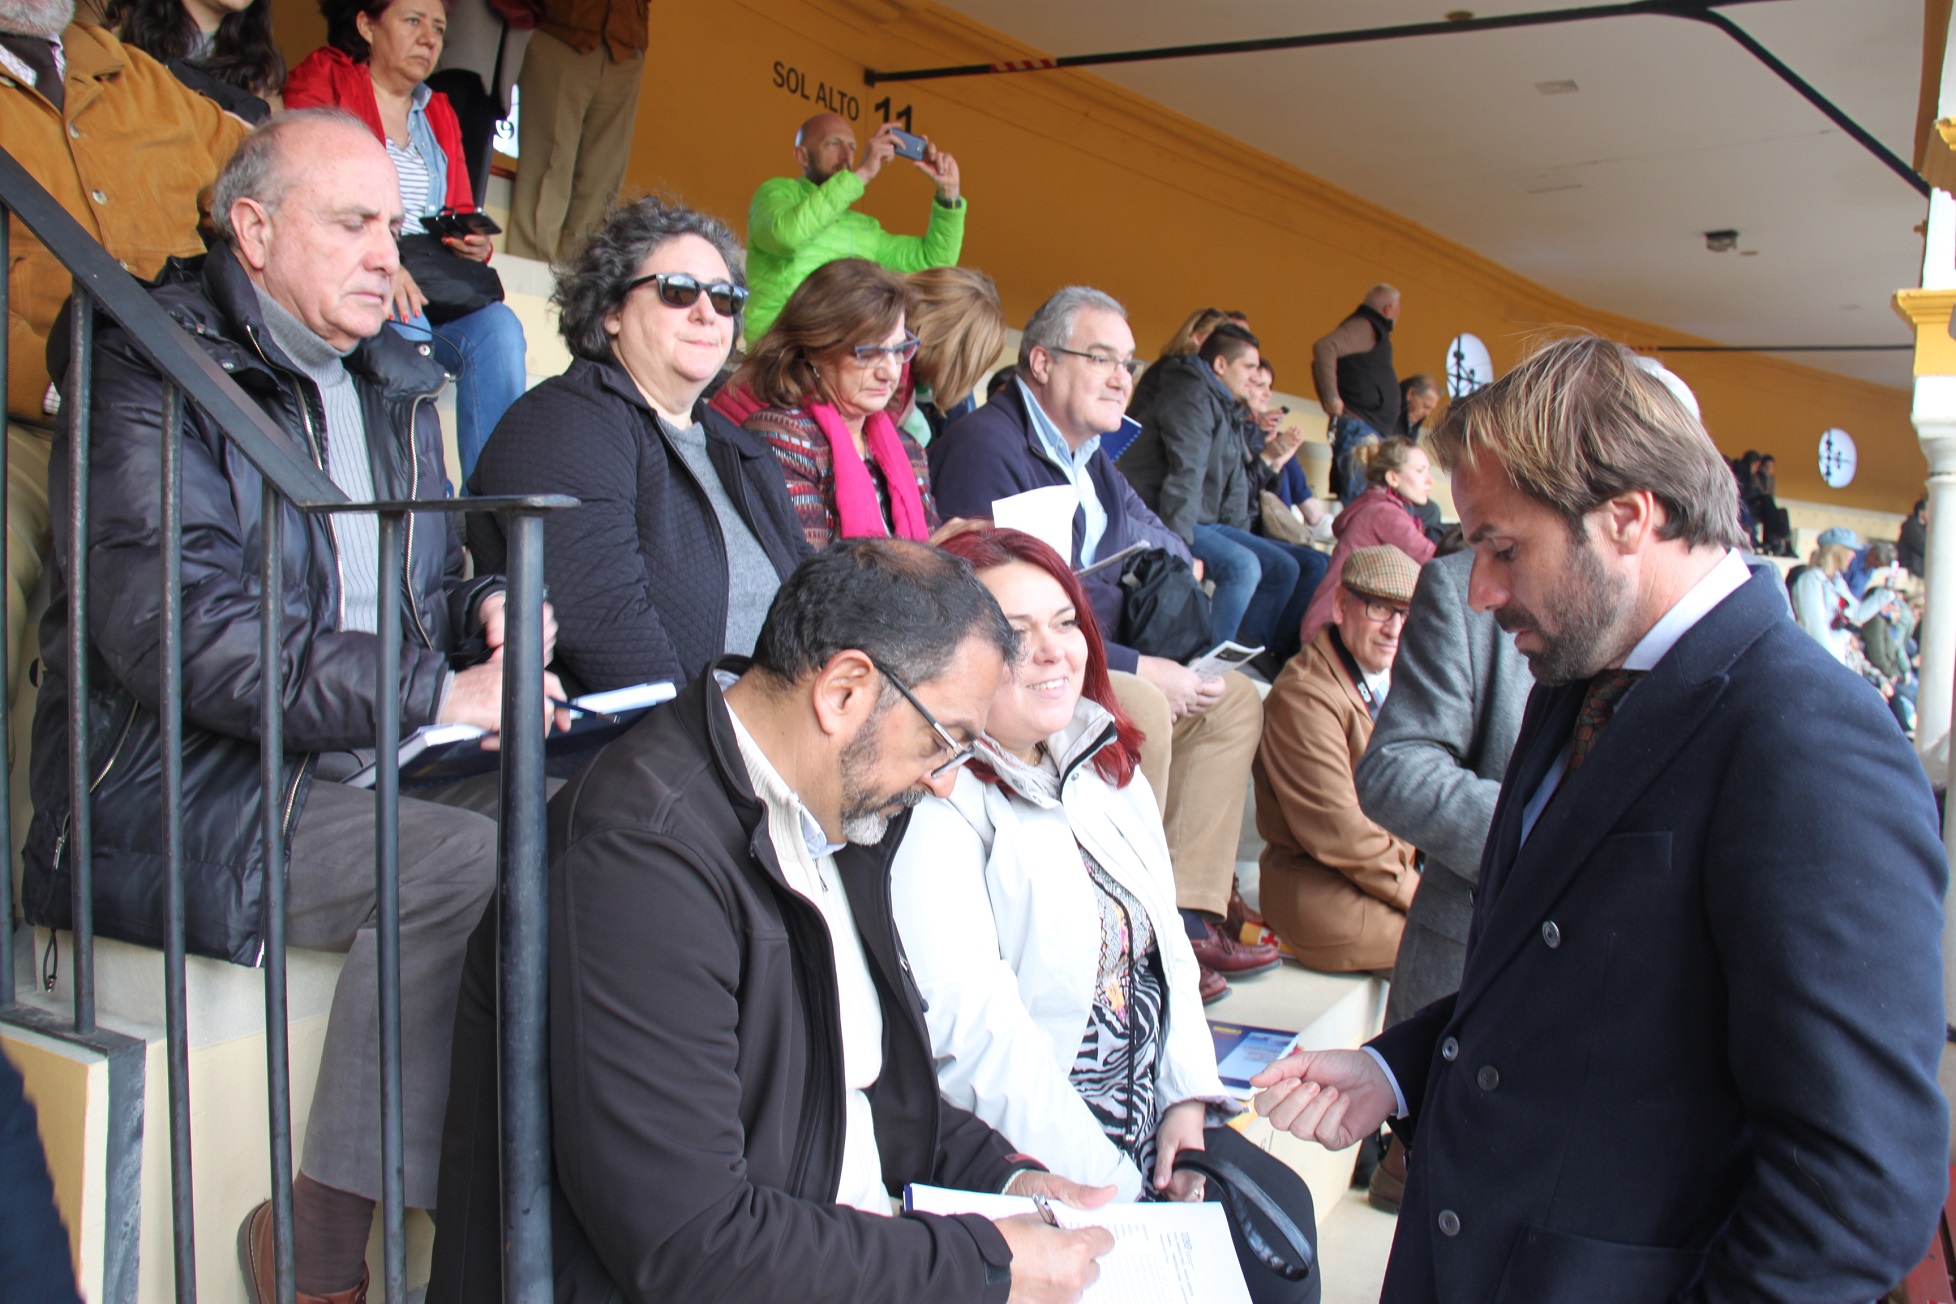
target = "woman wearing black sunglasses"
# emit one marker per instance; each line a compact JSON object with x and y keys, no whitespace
{"x":685,"y":529}
{"x":818,"y":385}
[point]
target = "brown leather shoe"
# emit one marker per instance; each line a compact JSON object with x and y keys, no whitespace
{"x":1241,"y":922}
{"x":1214,"y":986}
{"x":1231,"y":958}
{"x":255,"y":1257}
{"x":1389,"y":1179}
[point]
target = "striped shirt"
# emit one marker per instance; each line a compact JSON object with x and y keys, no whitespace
{"x":415,"y":184}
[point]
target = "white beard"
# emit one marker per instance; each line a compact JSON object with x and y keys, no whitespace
{"x":46,"y":18}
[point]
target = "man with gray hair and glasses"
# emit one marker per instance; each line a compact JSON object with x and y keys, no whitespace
{"x":290,"y":304}
{"x":1075,"y":376}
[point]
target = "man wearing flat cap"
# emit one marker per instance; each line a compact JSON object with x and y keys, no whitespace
{"x":1335,"y":885}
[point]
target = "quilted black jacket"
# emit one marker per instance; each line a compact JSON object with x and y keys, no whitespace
{"x":328,"y":675}
{"x":638,"y":574}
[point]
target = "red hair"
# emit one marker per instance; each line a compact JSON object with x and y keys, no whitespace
{"x":988,"y":549}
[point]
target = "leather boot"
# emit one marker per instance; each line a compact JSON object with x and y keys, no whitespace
{"x":255,"y":1257}
{"x":1389,"y":1179}
{"x":1214,"y":985}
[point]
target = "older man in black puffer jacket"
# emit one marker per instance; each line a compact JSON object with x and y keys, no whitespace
{"x":291,"y":304}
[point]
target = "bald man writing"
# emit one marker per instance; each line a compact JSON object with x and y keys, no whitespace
{"x":796,"y":224}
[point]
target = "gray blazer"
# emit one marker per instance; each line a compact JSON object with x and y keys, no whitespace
{"x":1441,"y":744}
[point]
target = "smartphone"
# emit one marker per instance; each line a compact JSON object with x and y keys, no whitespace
{"x":907,"y":145}
{"x":456,"y":225}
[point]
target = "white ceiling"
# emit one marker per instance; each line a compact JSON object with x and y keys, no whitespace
{"x":1603,"y":194}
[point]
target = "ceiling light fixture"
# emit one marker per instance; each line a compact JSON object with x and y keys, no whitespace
{"x":1721,"y":242}
{"x":1460,"y":15}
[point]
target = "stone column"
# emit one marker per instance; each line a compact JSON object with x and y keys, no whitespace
{"x":1928,"y":310}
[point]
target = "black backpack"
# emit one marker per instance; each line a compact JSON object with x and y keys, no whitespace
{"x":1166,"y":613}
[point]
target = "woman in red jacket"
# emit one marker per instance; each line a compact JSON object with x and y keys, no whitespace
{"x":375,"y":65}
{"x":1398,"y":478}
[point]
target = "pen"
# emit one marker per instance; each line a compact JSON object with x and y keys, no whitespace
{"x":601,"y":717}
{"x":1045,"y":1208}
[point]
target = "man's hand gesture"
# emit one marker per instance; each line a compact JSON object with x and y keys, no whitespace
{"x":880,"y":150}
{"x":942,"y":169}
{"x":1334,"y":1097}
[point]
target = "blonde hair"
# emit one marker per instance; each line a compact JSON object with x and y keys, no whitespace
{"x":956,"y":315}
{"x":1579,"y":422}
{"x":1383,"y":457}
{"x":1184,"y":342}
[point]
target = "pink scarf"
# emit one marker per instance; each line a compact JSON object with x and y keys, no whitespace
{"x":855,"y":493}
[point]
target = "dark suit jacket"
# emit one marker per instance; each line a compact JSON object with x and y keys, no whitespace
{"x":33,"y":1248}
{"x":1694,"y":1051}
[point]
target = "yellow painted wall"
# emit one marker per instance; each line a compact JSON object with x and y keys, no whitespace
{"x":1072,"y":179}
{"x":66,"y":1091}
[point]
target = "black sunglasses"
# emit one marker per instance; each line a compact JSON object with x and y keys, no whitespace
{"x":678,"y":290}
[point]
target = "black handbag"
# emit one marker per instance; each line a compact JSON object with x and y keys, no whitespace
{"x":1166,"y":613}
{"x":1271,"y":1218}
{"x":453,"y":285}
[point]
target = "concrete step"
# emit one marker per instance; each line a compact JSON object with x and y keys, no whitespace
{"x":1354,"y":1242}
{"x":229,"y":1157}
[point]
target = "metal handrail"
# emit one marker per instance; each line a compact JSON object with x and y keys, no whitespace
{"x":166,"y":344}
{"x":191,"y":377}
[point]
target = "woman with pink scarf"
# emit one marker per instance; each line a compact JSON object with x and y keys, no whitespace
{"x":817,"y":387}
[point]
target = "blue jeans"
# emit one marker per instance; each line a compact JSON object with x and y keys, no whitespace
{"x":1348,"y":434}
{"x":1311,"y":567}
{"x":486,"y":352}
{"x":1262,"y":586}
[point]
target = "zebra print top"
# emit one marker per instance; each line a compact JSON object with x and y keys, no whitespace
{"x":1114,"y":1071}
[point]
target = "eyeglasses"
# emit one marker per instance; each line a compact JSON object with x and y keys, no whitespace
{"x":1382,"y":611}
{"x":1104,"y":364}
{"x":866,"y":356}
{"x":678,"y":290}
{"x":960,"y":752}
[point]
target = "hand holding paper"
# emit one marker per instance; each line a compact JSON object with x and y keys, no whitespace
{"x":1153,"y":1254}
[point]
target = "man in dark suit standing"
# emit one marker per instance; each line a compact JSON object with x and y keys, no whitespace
{"x":1694,"y":1051}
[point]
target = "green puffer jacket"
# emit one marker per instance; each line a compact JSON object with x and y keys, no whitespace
{"x":794,"y":226}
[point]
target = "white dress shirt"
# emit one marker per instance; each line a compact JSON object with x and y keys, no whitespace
{"x":808,"y":859}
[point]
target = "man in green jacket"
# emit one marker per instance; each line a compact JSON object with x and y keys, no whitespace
{"x":796,"y":224}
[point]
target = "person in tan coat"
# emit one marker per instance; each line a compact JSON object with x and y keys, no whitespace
{"x":1335,"y":886}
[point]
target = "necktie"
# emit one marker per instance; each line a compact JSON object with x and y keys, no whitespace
{"x":38,"y":53}
{"x":1598,"y":706}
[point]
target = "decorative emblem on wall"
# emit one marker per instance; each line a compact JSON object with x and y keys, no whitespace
{"x":1468,"y":366}
{"x":1837,"y":458}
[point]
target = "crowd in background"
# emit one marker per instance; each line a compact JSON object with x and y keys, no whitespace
{"x":766,"y":438}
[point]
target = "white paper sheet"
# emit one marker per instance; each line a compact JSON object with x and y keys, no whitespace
{"x":1163,"y":1253}
{"x":1046,"y":514}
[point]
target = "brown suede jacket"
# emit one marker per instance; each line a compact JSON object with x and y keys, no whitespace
{"x":131,"y":156}
{"x":1320,"y":845}
{"x":584,"y":25}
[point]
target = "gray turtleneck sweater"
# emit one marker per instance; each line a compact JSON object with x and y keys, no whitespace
{"x":356,"y":535}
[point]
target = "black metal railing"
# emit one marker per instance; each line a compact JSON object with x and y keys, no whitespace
{"x":192,"y":379}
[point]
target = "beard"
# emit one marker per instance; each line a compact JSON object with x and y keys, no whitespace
{"x":1588,"y":603}
{"x":866,"y":814}
{"x":45,"y":18}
